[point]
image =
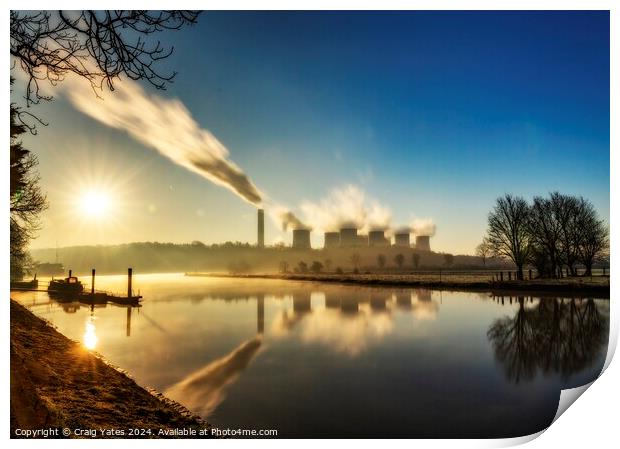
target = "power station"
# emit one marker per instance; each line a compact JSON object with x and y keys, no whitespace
{"x":347,"y":237}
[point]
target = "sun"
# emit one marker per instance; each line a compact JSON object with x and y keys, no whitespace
{"x":94,"y":203}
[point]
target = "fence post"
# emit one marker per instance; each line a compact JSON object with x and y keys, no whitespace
{"x":501,"y":276}
{"x":510,"y":276}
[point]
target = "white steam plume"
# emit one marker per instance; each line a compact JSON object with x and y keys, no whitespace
{"x":379,"y":217}
{"x":346,"y":206}
{"x":167,"y":126}
{"x":423,"y":226}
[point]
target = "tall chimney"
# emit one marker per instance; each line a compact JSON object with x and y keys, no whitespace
{"x":261,"y":228}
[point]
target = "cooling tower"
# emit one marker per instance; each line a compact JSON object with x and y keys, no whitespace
{"x":301,"y":238}
{"x":377,"y":238}
{"x":402,"y":239}
{"x":362,"y":240}
{"x":423,"y":243}
{"x":332,"y":240}
{"x":348,"y":237}
{"x":261,"y":228}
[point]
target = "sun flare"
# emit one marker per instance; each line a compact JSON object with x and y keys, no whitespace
{"x":95,"y":204}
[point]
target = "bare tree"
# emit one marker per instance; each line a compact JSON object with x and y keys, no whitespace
{"x":544,"y":227}
{"x":415,"y":258}
{"x":399,"y":259}
{"x":594,"y":241}
{"x":316,"y":267}
{"x":26,"y":199}
{"x":508,"y":230}
{"x":484,"y":251}
{"x":566,"y":209}
{"x":328,"y":264}
{"x":381,"y":260}
{"x":302,"y":267}
{"x":96,"y":45}
{"x":355,"y":261}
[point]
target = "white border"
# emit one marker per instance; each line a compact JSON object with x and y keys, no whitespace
{"x":591,"y":421}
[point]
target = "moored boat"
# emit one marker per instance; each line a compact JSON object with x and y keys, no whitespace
{"x":69,"y":286}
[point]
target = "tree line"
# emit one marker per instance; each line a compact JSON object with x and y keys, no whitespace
{"x":553,"y":234}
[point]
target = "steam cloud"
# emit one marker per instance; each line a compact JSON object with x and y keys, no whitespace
{"x":347,"y":206}
{"x":286,"y":218}
{"x":423,"y":226}
{"x":167,"y":126}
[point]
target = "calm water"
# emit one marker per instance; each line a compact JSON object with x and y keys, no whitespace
{"x":316,"y":360}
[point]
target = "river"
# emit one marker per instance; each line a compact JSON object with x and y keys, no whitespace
{"x":316,"y":360}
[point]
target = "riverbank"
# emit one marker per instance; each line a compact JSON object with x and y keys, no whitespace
{"x":597,"y":286}
{"x":57,"y":384}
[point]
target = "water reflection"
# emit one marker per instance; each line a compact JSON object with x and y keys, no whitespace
{"x":273,"y":354}
{"x":351,"y":320}
{"x":205,"y":389}
{"x":90,"y":336}
{"x":554,"y":336}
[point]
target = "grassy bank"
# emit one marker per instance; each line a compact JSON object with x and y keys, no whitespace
{"x":56,"y":383}
{"x":581,"y":286}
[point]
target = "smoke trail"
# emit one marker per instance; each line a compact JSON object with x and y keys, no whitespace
{"x":285,"y":218}
{"x":167,"y":126}
{"x":289,"y":220}
{"x":423,"y":226}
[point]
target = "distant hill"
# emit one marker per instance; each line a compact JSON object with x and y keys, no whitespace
{"x":150,"y":257}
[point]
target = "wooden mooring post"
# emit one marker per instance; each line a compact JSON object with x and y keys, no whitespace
{"x":92,"y":282}
{"x":129,"y":275}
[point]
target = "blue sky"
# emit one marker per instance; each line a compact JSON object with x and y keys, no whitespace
{"x":434,"y":114}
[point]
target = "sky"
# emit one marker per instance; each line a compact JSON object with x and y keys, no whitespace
{"x":430,"y":114}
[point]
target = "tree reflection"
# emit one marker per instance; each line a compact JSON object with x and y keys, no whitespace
{"x":554,"y":336}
